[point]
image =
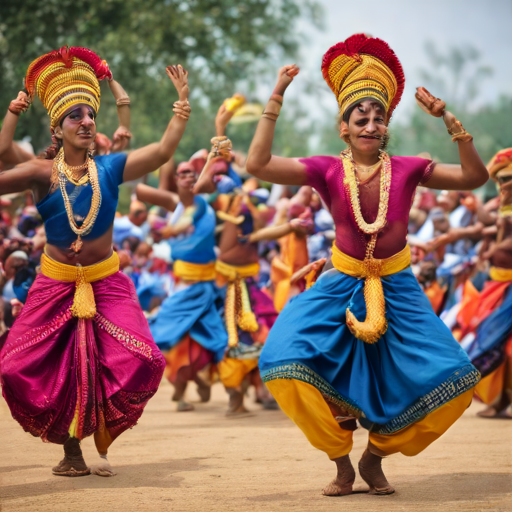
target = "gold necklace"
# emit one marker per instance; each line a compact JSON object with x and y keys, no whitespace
{"x":350,"y":180}
{"x":88,"y":223}
{"x":371,"y":168}
{"x":71,"y":171}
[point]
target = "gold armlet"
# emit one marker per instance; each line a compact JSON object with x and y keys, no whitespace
{"x":123,"y":100}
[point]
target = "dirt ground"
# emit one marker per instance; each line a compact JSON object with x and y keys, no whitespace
{"x":203,"y":461}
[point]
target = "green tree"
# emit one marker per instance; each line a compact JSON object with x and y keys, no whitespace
{"x":222,"y":43}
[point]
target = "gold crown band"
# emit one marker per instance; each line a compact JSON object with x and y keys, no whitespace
{"x":61,"y":87}
{"x":364,"y":76}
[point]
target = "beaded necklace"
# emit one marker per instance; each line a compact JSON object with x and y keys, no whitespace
{"x":65,"y":175}
{"x":351,"y":181}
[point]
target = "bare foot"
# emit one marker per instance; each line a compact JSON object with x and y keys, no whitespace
{"x":184,"y":406}
{"x":239,"y":412}
{"x":370,"y":469}
{"x":103,"y":468}
{"x":270,"y":404}
{"x":342,"y":484}
{"x":493,"y":412}
{"x":73,"y":463}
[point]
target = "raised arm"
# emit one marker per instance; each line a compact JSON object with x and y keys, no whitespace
{"x":260,"y":161}
{"x":122,"y":135}
{"x":471,"y":173}
{"x":28,"y":175}
{"x":221,"y":145}
{"x":149,"y":158}
{"x":298,"y":226}
{"x":10,"y":153}
{"x":157,"y":197}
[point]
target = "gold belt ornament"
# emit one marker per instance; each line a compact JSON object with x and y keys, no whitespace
{"x":194,"y":271}
{"x":238,"y":310}
{"x":84,"y":305}
{"x":500,"y":274}
{"x":371,"y":270}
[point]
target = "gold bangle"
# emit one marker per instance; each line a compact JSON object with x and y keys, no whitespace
{"x":273,"y":106}
{"x":462,"y":137}
{"x":458,"y":132}
{"x":271,"y":114}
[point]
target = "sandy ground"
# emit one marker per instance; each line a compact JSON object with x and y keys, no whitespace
{"x":203,"y":461}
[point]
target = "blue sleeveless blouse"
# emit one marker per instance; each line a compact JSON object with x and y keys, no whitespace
{"x":52,"y":210}
{"x":197,"y":247}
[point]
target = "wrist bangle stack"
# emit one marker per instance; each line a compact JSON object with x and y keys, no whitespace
{"x":123,"y":100}
{"x":273,"y":108}
{"x":458,"y":133}
{"x":182,"y":109}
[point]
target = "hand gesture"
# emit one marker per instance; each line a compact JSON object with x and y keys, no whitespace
{"x":304,"y":271}
{"x":428,"y":103}
{"x":222,"y":119}
{"x":121,"y":139}
{"x":20,"y":104}
{"x":300,"y":226}
{"x":179,"y":77}
{"x":285,"y":77}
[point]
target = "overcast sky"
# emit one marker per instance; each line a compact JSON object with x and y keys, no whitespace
{"x":407,"y":25}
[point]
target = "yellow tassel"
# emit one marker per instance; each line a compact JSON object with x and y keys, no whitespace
{"x":230,"y":313}
{"x":246,"y":318}
{"x":375,"y":324}
{"x":84,"y":305}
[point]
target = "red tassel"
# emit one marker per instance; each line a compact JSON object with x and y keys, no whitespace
{"x":99,"y":66}
{"x":65,"y":55}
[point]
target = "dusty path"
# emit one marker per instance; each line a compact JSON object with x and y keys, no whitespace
{"x":205,"y":462}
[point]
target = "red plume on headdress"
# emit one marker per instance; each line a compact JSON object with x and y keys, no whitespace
{"x":362,"y":44}
{"x":100,"y":67}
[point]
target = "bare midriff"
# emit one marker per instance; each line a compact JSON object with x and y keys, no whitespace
{"x":92,"y":252}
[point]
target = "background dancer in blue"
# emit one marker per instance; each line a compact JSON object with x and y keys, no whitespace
{"x":188,"y":327}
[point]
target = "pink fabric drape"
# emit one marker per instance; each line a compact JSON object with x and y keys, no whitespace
{"x":51,"y":362}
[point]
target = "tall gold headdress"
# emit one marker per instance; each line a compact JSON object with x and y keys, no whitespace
{"x":65,"y":78}
{"x":364,"y":67}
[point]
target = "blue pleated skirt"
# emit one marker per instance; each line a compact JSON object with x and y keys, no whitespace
{"x":195,"y":310}
{"x":416,"y":367}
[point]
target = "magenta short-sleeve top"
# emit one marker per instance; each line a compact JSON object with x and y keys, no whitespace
{"x":325,"y":174}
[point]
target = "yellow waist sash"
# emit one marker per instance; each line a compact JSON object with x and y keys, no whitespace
{"x":375,"y":325}
{"x":237,"y":309}
{"x":84,"y":305}
{"x":233,"y":272}
{"x":500,"y":274}
{"x":194,"y":271}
